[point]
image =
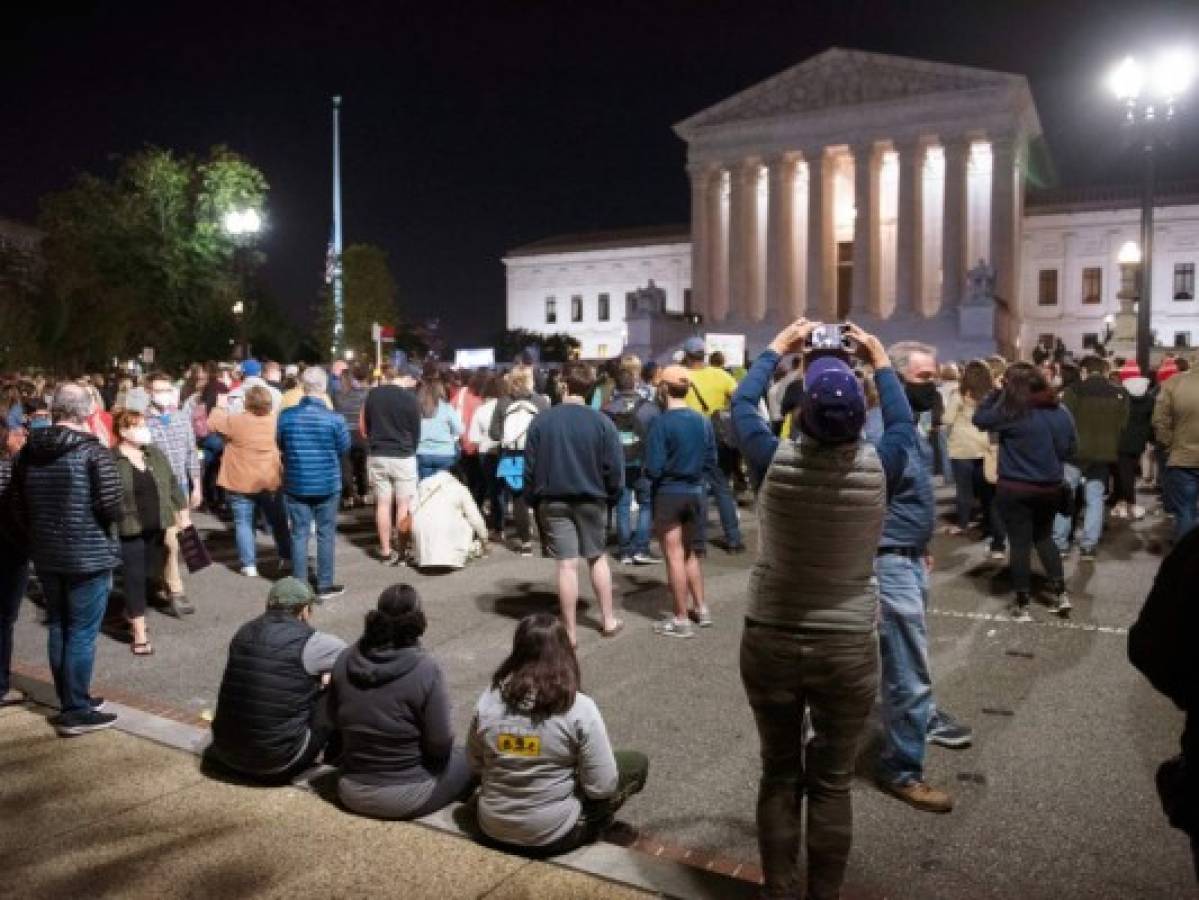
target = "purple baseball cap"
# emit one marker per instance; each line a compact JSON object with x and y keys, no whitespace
{"x":834,"y":406}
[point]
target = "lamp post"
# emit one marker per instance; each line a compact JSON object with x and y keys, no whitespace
{"x":1149,"y":96}
{"x":242,"y":225}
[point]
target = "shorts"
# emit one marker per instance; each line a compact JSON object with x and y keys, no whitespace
{"x":573,"y":529}
{"x":392,"y":475}
{"x":688,"y":510}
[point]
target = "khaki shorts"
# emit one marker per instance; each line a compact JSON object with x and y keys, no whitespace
{"x":392,"y":475}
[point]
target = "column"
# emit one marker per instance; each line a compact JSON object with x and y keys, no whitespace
{"x":780,"y":239}
{"x":701,"y":257}
{"x":1003,"y":232}
{"x":865,"y":298}
{"x":954,"y":238}
{"x":909,"y":241}
{"x":743,"y":239}
{"x":718,"y":250}
{"x":822,"y":262}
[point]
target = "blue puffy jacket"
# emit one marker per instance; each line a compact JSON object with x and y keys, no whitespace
{"x":312,"y":439}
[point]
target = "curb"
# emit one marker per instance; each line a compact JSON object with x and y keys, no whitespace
{"x":625,"y":857}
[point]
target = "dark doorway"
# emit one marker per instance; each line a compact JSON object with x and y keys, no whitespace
{"x":844,"y":278}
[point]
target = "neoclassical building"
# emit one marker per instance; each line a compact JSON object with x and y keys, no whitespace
{"x":865,"y":186}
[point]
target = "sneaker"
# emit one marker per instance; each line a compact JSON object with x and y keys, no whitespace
{"x":392,"y":558}
{"x":626,"y":560}
{"x":922,"y":796}
{"x":1060,"y":605}
{"x":332,"y":592}
{"x":526,"y":548}
{"x":1018,"y":611}
{"x":97,"y":703}
{"x":672,"y":628}
{"x":180,"y":606}
{"x":735,"y":549}
{"x":250,"y":571}
{"x":945,"y":731}
{"x":83,"y":723}
{"x":1086,"y":554}
{"x":1120,"y":511}
{"x":997,"y":554}
{"x":12,"y":697}
{"x":701,"y":617}
{"x":646,"y":559}
{"x":1137,"y":512}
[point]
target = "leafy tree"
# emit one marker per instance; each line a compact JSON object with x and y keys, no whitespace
{"x":553,"y":347}
{"x":370,"y":296}
{"x":20,"y":296}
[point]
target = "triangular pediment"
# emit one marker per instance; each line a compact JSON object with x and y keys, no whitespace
{"x":840,"y":78}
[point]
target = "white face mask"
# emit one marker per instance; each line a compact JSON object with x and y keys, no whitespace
{"x":164,"y":399}
{"x":139,"y":435}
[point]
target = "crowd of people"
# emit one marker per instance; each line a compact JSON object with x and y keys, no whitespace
{"x":840,"y":444}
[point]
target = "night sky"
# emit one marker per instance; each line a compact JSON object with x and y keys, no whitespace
{"x":471,"y":128}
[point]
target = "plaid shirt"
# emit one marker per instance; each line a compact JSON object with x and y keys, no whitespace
{"x":172,"y":434}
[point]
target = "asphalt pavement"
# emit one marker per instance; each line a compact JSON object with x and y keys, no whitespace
{"x":1055,"y":799}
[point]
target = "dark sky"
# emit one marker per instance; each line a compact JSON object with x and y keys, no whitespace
{"x":470,"y":128}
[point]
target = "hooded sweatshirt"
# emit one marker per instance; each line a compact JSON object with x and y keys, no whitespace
{"x":393,"y":711}
{"x":1138,"y":430}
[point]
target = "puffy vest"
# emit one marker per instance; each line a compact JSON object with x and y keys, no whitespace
{"x":821,"y":511}
{"x":912,"y":512}
{"x":266,"y":697}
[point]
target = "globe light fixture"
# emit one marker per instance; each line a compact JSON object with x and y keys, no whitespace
{"x":1172,"y":74}
{"x":1129,"y":254}
{"x":1127,"y":79}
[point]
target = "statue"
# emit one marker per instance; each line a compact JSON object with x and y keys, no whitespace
{"x":980,"y":285}
{"x":649,"y":299}
{"x":976,"y":314}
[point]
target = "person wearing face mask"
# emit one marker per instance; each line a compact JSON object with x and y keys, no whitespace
{"x":151,"y":500}
{"x":902,"y":565}
{"x":171,"y":432}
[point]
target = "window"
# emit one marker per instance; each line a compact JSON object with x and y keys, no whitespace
{"x":687,"y":299}
{"x":1184,"y":281}
{"x":1090,"y":340}
{"x":1130,"y":277}
{"x":1182,"y":340}
{"x":1047,"y":287}
{"x":605,"y":308}
{"x":551,"y":310}
{"x":1092,"y":284}
{"x":576,"y":308}
{"x":1047,"y":340}
{"x":601,"y":350}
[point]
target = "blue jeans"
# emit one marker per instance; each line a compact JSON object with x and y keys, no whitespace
{"x":14,"y":576}
{"x":634,"y":539}
{"x":718,"y":486}
{"x":301,"y":511}
{"x":1092,"y":515}
{"x":427,"y":464}
{"x":244,"y":507}
{"x":907,"y":686}
{"x":1182,"y":495}
{"x":75,"y":606}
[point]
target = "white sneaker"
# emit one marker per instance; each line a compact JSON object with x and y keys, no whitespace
{"x":250,"y":571}
{"x":670,"y":627}
{"x":1138,"y":512}
{"x":1119,"y":511}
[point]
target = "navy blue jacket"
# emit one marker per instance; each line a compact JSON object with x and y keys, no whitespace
{"x":312,"y":439}
{"x":1032,"y":447}
{"x":758,"y":443}
{"x":679,"y":449}
{"x":912,"y":503}
{"x":573,"y":452}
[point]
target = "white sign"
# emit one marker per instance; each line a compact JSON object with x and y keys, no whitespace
{"x":148,"y":355}
{"x":731,"y":345}
{"x":376,"y":331}
{"x":481,"y":358}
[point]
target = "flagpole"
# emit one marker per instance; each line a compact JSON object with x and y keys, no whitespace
{"x":338,"y":287}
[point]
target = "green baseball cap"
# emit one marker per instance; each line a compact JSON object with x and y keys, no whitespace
{"x":289,"y":592}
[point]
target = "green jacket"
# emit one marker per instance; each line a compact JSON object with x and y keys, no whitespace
{"x":1176,"y":419}
{"x":1100,"y":411}
{"x":170,"y":494}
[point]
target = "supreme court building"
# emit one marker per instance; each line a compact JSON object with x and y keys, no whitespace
{"x":881,"y":189}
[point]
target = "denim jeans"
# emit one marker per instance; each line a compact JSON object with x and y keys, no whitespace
{"x":718,"y":487}
{"x":244,"y":507}
{"x":1182,"y":492}
{"x":14,"y":577}
{"x":75,"y":606}
{"x":301,"y":511}
{"x":429,"y":465}
{"x":1092,"y":515}
{"x":907,"y":686}
{"x":634,"y":539}
{"x":835,"y":677}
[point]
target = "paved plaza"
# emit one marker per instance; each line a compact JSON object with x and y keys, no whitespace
{"x":1055,"y":799}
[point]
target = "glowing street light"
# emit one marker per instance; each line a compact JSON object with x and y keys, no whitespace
{"x":239,"y":222}
{"x":1129,"y":254}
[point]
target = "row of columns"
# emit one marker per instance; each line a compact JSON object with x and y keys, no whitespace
{"x":726,"y":276}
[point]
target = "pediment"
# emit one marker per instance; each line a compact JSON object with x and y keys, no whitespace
{"x":840,"y":78}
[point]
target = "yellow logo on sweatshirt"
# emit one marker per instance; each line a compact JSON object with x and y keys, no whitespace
{"x":519,"y":744}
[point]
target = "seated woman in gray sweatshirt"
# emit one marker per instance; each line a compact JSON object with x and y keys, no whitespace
{"x":550,"y":781}
{"x":389,"y":700}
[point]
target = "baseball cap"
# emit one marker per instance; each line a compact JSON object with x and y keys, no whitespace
{"x":289,"y":592}
{"x":693,"y":346}
{"x":676,"y":376}
{"x":833,"y":407}
{"x":251,"y":368}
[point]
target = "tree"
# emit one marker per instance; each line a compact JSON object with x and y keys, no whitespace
{"x":557,"y":347}
{"x":20,"y":298}
{"x":370,"y":296}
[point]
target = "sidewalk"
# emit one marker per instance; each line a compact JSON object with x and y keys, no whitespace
{"x":113,"y":814}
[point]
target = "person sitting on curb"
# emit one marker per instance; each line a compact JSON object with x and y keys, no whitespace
{"x":389,"y":700}
{"x":447,"y":528}
{"x":550,"y":781}
{"x":271,"y":719}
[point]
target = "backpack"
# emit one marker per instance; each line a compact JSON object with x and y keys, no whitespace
{"x":722,"y":421}
{"x":623,"y":413}
{"x":517,"y":419}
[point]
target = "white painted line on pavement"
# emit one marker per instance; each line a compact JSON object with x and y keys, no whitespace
{"x":1060,"y":624}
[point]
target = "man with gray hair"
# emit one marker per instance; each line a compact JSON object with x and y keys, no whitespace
{"x":312,"y":439}
{"x":67,"y":495}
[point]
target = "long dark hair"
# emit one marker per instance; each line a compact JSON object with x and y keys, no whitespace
{"x":540,"y":677}
{"x":977,"y":381}
{"x":1024,"y":386}
{"x":397,"y":621}
{"x":430,"y":394}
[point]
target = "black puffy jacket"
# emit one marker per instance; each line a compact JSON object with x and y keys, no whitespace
{"x":68,"y":498}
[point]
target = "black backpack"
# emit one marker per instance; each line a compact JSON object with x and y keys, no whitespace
{"x":623,"y":413}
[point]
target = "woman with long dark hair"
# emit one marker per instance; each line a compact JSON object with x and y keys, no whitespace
{"x":967,"y":447}
{"x":389,"y":700}
{"x":1036,"y":436}
{"x":550,"y":781}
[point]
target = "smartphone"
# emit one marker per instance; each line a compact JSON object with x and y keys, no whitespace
{"x":829,"y":337}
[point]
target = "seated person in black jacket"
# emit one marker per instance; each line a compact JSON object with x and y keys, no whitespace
{"x":389,"y":700}
{"x":271,"y":722}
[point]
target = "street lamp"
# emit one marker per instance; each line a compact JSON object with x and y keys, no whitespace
{"x":241,"y":225}
{"x":1149,"y":95}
